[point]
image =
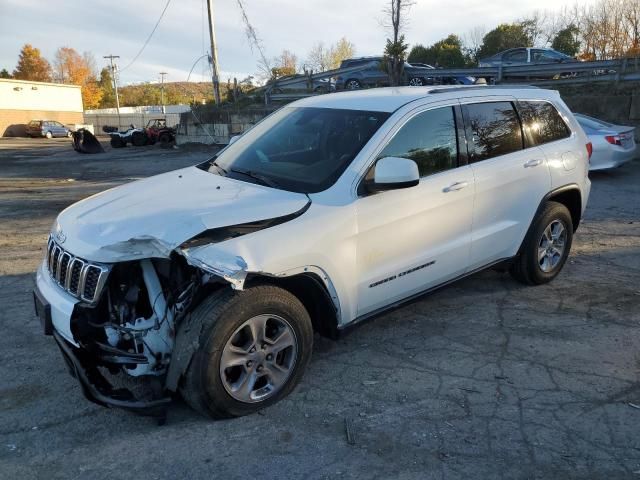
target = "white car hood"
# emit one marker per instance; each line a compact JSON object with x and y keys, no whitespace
{"x":151,"y":217}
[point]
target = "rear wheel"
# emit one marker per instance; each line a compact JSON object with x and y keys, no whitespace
{"x":352,"y":84}
{"x":48,"y":135}
{"x":546,"y":247}
{"x":165,"y":139}
{"x":254,"y":348}
{"x":69,"y":134}
{"x":417,"y":82}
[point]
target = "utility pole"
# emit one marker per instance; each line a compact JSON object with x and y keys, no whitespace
{"x":214,"y":53}
{"x":115,"y":83}
{"x":162,"y":74}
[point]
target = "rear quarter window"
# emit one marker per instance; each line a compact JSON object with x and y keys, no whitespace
{"x":542,"y":123}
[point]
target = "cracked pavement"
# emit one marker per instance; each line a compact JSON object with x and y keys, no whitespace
{"x":485,"y":378}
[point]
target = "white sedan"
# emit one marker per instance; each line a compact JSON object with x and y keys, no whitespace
{"x":613,"y":145}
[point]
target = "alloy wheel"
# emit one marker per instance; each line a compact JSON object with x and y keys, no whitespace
{"x":353,"y":85}
{"x":416,"y":82}
{"x":258,"y":358}
{"x":551,"y":246}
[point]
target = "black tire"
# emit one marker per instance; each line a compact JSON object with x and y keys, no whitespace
{"x":221,"y":315}
{"x":417,"y":82}
{"x":138,"y":139}
{"x":116,"y":142}
{"x":165,"y":139}
{"x":527,"y":268}
{"x":352,"y":84}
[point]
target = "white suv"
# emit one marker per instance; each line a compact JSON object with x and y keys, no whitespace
{"x":211,"y":280}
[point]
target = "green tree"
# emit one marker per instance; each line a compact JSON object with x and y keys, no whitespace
{"x":105,"y":83}
{"x":503,"y":37}
{"x":4,"y":73}
{"x":444,"y":53}
{"x":567,"y":41}
{"x":32,"y":66}
{"x":395,"y":51}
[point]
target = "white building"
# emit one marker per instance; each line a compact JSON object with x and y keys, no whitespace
{"x":22,"y":101}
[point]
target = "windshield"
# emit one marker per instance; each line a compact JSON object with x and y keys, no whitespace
{"x":300,"y":149}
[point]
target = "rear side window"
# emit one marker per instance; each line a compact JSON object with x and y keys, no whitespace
{"x":516,"y":56}
{"x":542,"y":123}
{"x":493,"y":129}
{"x":429,"y":139}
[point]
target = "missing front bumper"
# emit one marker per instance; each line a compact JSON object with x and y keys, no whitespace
{"x":98,"y":389}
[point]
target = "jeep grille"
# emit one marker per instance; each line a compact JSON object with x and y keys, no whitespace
{"x":80,"y":278}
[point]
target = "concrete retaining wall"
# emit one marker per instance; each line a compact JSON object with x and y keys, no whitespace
{"x":616,"y":105}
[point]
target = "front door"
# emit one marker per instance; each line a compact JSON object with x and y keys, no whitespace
{"x":415,"y":238}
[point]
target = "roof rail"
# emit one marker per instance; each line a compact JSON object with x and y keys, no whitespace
{"x":458,"y":88}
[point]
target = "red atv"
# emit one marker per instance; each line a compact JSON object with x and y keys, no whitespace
{"x":155,"y":131}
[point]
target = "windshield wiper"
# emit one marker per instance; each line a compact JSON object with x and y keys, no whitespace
{"x":256,"y":176}
{"x":215,"y":164}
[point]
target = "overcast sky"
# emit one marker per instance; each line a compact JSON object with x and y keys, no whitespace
{"x":120,"y":27}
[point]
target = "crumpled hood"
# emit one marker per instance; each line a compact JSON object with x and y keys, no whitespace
{"x":151,"y":217}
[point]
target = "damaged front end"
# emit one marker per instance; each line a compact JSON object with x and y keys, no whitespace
{"x":125,"y":338}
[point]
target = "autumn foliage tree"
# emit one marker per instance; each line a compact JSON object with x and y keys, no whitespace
{"x":32,"y":66}
{"x":71,"y":67}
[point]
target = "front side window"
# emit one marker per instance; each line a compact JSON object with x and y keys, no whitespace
{"x":303,"y":149}
{"x":542,"y":123}
{"x":429,"y":139}
{"x":494,"y":128}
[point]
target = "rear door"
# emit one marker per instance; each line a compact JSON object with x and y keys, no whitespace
{"x":545,"y":128}
{"x":510,"y":180}
{"x":415,"y":238}
{"x":515,"y":57}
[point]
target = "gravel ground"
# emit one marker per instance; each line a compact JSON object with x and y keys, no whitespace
{"x":483,"y":379}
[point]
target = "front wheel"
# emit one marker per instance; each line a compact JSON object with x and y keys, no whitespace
{"x":254,"y":347}
{"x":546,"y":246}
{"x":417,"y":82}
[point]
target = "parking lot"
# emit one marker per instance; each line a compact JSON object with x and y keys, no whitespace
{"x":485,"y":378}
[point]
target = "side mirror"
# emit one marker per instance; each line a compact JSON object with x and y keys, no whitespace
{"x":392,"y":173}
{"x":234,"y":139}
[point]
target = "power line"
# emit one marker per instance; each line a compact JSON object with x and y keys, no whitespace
{"x":148,"y":38}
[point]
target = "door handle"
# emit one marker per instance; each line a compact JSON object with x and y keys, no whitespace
{"x":455,"y":186}
{"x":532,"y":163}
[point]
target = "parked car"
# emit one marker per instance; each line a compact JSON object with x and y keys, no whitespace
{"x":47,"y":128}
{"x":524,"y":56}
{"x":455,"y":80}
{"x":613,"y":145}
{"x":374,"y":75}
{"x":210,"y":280}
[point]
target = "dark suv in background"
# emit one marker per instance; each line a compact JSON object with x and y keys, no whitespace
{"x":46,"y":128}
{"x":373,"y":75}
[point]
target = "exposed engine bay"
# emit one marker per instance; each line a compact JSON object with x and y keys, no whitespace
{"x":132,"y":329}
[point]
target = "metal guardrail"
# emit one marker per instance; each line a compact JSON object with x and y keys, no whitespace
{"x":624,"y":69}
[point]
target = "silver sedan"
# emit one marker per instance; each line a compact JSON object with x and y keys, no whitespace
{"x":613,"y":145}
